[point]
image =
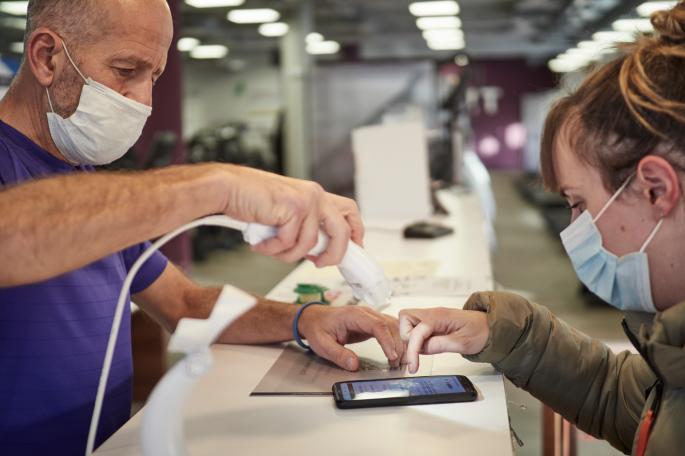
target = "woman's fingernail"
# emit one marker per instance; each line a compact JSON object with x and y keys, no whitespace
{"x":350,"y":363}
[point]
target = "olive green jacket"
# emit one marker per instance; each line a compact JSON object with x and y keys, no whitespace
{"x":606,"y":395}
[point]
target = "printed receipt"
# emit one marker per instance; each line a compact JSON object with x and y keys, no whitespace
{"x":300,"y":373}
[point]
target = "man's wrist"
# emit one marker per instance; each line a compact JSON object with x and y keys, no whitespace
{"x":308,"y":318}
{"x":219,"y":183}
{"x":297,"y":335}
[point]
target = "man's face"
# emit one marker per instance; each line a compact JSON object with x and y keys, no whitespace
{"x":129,"y":58}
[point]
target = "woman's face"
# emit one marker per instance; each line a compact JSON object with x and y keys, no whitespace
{"x":627,"y":223}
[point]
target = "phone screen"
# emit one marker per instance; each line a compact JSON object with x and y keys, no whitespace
{"x":403,"y":387}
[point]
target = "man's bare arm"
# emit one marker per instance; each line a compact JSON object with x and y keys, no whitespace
{"x":327,"y":329}
{"x":54,"y":225}
{"x":59,"y":224}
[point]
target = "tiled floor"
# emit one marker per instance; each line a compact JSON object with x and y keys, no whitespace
{"x":523,"y":240}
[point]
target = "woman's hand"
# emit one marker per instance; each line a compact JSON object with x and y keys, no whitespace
{"x":439,"y":330}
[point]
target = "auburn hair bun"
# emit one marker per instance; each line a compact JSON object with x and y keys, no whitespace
{"x":670,"y":24}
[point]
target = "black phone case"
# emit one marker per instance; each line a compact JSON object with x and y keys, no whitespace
{"x":469,"y":395}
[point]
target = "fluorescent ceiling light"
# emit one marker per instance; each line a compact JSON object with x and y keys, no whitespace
{"x":648,"y":8}
{"x":576,"y":58}
{"x":439,"y":8}
{"x":633,"y":25}
{"x":446,"y":45}
{"x":427,"y":23}
{"x":274,"y":29}
{"x":187,"y":44}
{"x":214,"y":3}
{"x":587,"y":44}
{"x":209,"y":51}
{"x":588,"y":55}
{"x":565,"y":66}
{"x":14,"y":8}
{"x":253,"y":16}
{"x":323,"y":47}
{"x":18,"y":23}
{"x":18,"y":47}
{"x":597,"y":47}
{"x":613,"y":37}
{"x":443,"y":35}
{"x":314,"y":37}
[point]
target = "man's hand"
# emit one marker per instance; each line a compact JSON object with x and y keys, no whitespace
{"x":299,"y":208}
{"x":439,"y":330}
{"x":328,"y":329}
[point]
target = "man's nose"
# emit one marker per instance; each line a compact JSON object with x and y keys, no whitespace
{"x":142,"y":93}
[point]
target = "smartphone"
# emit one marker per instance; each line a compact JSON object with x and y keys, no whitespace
{"x":436,"y":389}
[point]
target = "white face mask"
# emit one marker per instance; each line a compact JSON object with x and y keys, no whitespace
{"x":622,"y":282}
{"x":104,"y":127}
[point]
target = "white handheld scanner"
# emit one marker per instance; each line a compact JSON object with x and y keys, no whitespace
{"x":366,"y":278}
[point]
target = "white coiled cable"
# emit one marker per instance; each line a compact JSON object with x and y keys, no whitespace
{"x":214,"y":220}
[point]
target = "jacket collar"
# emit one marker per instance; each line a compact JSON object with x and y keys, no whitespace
{"x":661,"y":342}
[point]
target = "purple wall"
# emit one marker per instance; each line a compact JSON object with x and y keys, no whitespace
{"x":166,"y":115}
{"x":499,"y":135}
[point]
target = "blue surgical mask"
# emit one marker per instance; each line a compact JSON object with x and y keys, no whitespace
{"x":622,"y":282}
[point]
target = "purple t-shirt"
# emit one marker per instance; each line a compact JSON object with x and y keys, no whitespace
{"x":53,"y":335}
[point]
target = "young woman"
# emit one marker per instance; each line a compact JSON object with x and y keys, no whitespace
{"x":615,"y":148}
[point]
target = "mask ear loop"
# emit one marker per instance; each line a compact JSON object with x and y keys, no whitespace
{"x":613,"y":198}
{"x":66,"y":51}
{"x":49,"y":100}
{"x":651,"y":235}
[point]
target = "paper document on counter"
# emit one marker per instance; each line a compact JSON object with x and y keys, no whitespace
{"x":432,"y":286}
{"x":300,"y":373}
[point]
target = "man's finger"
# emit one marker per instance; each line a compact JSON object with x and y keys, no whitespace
{"x":283,"y":242}
{"x":329,"y":348}
{"x":335,"y":226}
{"x":306,"y":240}
{"x":356,"y":224}
{"x":349,"y":209}
{"x":399,"y":344}
{"x":368,"y":323}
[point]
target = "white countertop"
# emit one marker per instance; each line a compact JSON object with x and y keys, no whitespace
{"x":222,"y":417}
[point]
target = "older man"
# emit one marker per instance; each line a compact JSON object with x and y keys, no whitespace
{"x":80,"y":99}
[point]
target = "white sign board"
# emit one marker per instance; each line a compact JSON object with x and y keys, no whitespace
{"x":391,"y":173}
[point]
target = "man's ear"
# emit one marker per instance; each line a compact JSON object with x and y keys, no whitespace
{"x":41,"y":54}
{"x":659,"y":183}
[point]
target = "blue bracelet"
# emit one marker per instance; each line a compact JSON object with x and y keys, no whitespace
{"x":296,"y":333}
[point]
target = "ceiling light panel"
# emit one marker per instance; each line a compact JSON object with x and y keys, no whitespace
{"x":214,"y":3}
{"x":435,"y":8}
{"x":253,"y":16}
{"x":425,"y":23}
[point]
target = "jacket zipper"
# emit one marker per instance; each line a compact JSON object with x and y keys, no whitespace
{"x":645,"y":427}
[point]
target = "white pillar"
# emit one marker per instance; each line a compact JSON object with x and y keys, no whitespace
{"x":296,"y":67}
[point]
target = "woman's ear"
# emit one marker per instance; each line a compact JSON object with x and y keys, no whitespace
{"x":40,"y":52}
{"x":659,"y":183}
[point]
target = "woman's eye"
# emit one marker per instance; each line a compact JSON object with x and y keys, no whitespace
{"x":576,"y":208}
